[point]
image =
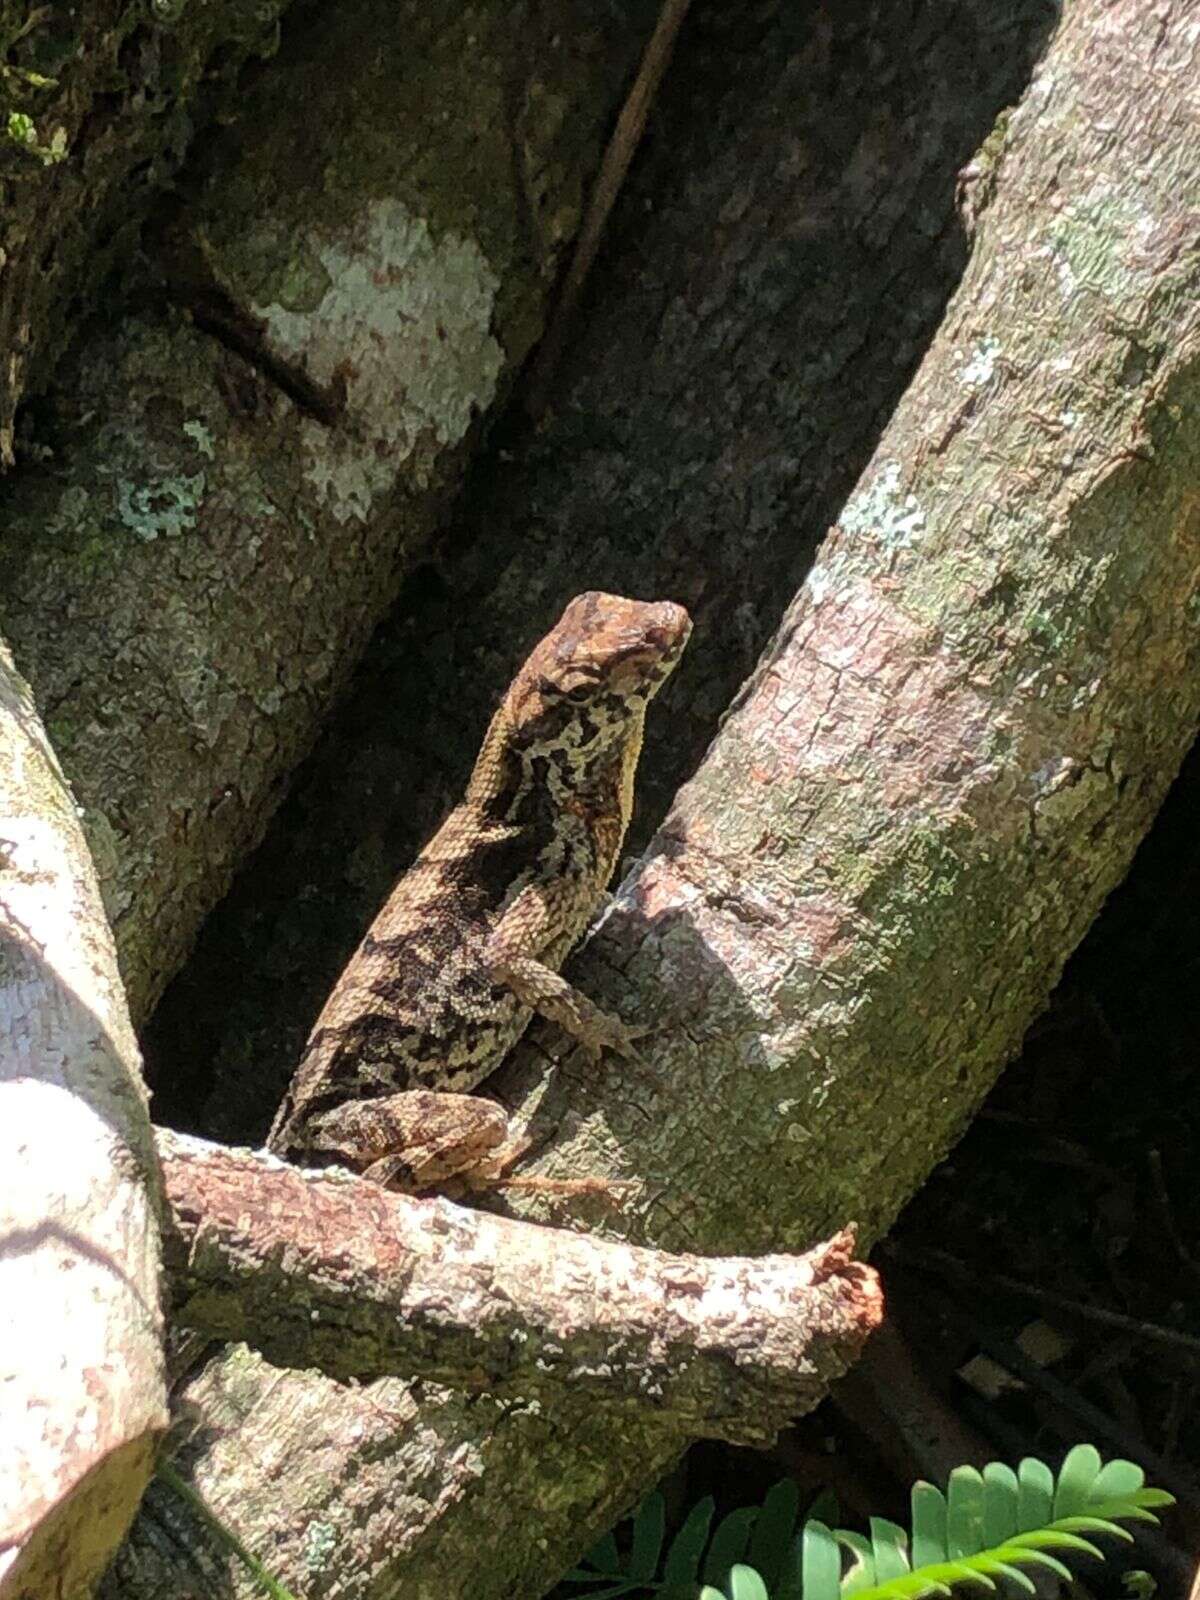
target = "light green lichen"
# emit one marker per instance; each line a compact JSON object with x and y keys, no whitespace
{"x":1045,"y":630}
{"x":877,"y":511}
{"x":981,"y":364}
{"x":201,"y":438}
{"x":21,"y":130}
{"x":163,"y":508}
{"x":1089,"y":241}
{"x":320,"y":1542}
{"x":992,"y":148}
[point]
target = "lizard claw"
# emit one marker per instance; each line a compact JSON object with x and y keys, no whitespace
{"x":610,"y":1034}
{"x":622,"y":1039}
{"x":627,"y":1047}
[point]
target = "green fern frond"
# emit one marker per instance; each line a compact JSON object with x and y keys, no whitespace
{"x":985,"y":1526}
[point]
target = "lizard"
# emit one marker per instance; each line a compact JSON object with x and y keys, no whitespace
{"x":469,"y":944}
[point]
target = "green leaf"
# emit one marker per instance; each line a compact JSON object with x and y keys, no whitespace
{"x":1149,"y":1497}
{"x":1117,"y":1480}
{"x":276,"y":1590}
{"x":1093,"y":1525}
{"x":822,"y":1563}
{"x":1041,"y":1538}
{"x":745,"y":1584}
{"x":649,"y":1526}
{"x":824,"y":1507}
{"x":789,"y":1585}
{"x":890,"y":1545}
{"x":1005,"y":1569}
{"x":774,"y":1530}
{"x":682,"y":1566}
{"x":964,"y":1512}
{"x":966,"y":1572}
{"x":914,"y":1584}
{"x":603,"y":1556}
{"x":1035,"y":1494}
{"x":860,"y":1574}
{"x":1134,"y":1513}
{"x":928,"y":1525}
{"x":1075,"y":1479}
{"x":729,"y":1543}
{"x":990,"y":1565}
{"x":752,"y":1554}
{"x":1042,"y":1558}
{"x":999,"y":1503}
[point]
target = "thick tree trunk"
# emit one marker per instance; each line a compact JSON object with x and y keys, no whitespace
{"x":98,"y":101}
{"x":82,"y":1387}
{"x":940,"y":769}
{"x":189,"y":580}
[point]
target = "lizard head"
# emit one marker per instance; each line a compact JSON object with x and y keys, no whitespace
{"x":581,"y":697}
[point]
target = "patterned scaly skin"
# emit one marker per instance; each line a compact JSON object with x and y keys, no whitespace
{"x":469,"y":944}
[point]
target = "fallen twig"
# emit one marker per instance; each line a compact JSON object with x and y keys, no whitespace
{"x":627,"y":134}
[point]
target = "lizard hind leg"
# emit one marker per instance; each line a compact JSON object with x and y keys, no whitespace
{"x":421,"y":1140}
{"x":412,"y":1141}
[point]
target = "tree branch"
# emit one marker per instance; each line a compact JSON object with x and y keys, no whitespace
{"x":82,"y":1393}
{"x":328,"y":1270}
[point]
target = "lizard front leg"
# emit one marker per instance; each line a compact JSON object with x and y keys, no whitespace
{"x":512,"y":956}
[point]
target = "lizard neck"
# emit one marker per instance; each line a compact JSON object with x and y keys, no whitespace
{"x":542,"y":789}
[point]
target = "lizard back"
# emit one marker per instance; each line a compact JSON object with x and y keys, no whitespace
{"x":529,"y":850}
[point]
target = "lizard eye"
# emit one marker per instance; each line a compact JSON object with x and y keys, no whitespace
{"x":578,"y":695}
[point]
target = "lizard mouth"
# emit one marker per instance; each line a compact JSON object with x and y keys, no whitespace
{"x":667,"y":629}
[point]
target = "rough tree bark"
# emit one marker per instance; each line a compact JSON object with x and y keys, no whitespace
{"x":98,"y":101}
{"x":187,"y":583}
{"x":328,"y":1270}
{"x":941,"y":767}
{"x":82,"y":1387}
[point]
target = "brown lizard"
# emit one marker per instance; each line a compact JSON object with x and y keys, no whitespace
{"x":470,"y":942}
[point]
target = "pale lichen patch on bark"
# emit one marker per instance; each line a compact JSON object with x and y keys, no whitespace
{"x":979,"y":366}
{"x":161,"y":507}
{"x":879,"y":509}
{"x":201,"y":437}
{"x":405,"y":321}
